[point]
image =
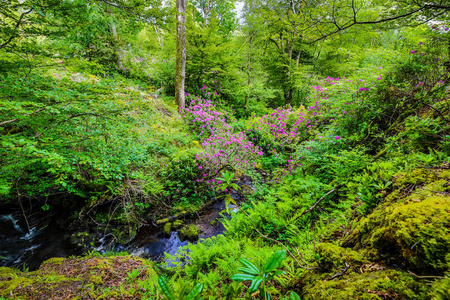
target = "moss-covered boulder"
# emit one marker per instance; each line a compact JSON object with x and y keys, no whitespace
{"x":121,"y":277}
{"x":167,"y":229}
{"x":378,"y":284}
{"x":409,"y":231}
{"x":412,"y":227}
{"x":416,"y":233}
{"x":177,"y":224}
{"x":189,"y":232}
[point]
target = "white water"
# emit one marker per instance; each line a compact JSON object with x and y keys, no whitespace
{"x":14,"y":221}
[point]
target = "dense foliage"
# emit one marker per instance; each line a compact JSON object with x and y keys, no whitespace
{"x":325,"y":127}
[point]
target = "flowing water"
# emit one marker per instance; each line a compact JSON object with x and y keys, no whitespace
{"x":20,"y":246}
{"x":32,"y":241}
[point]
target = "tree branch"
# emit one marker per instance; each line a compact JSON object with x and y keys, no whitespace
{"x":355,"y":22}
{"x":16,"y":119}
{"x":320,"y":200}
{"x":13,"y":36}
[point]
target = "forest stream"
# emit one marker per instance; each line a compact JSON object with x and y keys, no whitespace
{"x":20,"y":246}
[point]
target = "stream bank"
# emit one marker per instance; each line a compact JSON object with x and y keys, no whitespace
{"x":48,"y":238}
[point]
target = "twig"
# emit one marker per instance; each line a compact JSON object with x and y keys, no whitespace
{"x":347,"y":266}
{"x":318,"y":202}
{"x":426,"y":277}
{"x":21,"y":206}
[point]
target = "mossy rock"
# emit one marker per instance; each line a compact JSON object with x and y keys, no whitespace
{"x":162,"y":221}
{"x":177,"y":224}
{"x":167,"y":229}
{"x":380,"y":284}
{"x":189,"y":232}
{"x":415,"y":232}
{"x":334,"y":258}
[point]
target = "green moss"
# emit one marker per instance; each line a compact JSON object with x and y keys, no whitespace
{"x":167,"y":229}
{"x":177,"y":224}
{"x":95,"y":279}
{"x":414,"y":177}
{"x":440,"y":289}
{"x":162,"y":221}
{"x":6,"y":272}
{"x":333,"y":257}
{"x":51,"y":278}
{"x":415,"y":232}
{"x":381,"y":284}
{"x":189,"y":232}
{"x":7,"y":287}
{"x":54,"y":261}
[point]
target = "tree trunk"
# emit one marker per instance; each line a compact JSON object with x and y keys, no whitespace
{"x":181,"y":54}
{"x":248,"y":70}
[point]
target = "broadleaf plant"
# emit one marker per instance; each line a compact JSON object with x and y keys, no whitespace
{"x":260,"y":278}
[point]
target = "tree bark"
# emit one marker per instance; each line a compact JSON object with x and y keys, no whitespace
{"x":181,"y":54}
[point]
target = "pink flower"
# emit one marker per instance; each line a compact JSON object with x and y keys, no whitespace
{"x":337,"y":137}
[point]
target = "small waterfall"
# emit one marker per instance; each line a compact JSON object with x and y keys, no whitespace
{"x":10,"y":217}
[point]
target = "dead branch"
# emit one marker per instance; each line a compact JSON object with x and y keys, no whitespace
{"x":344,"y":270}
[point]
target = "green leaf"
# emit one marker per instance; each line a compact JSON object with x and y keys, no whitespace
{"x":253,"y":269}
{"x":255,"y":284}
{"x":235,"y":186}
{"x":196,"y":291}
{"x":165,"y":288}
{"x":242,"y":277}
{"x":248,"y":271}
{"x":294,"y":296}
{"x":274,"y":261}
{"x":229,"y":199}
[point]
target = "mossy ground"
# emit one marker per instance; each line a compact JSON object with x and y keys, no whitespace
{"x":124,"y":277}
{"x":399,"y":251}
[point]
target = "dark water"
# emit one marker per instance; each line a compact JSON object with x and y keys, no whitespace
{"x":20,"y":246}
{"x":27,"y":243}
{"x":148,"y":242}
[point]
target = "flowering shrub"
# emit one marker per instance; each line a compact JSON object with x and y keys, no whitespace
{"x":223,"y":145}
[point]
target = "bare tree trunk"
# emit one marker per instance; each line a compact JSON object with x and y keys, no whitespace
{"x":248,"y":70}
{"x":181,"y":54}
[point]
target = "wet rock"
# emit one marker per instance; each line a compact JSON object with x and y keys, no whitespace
{"x":189,"y":232}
